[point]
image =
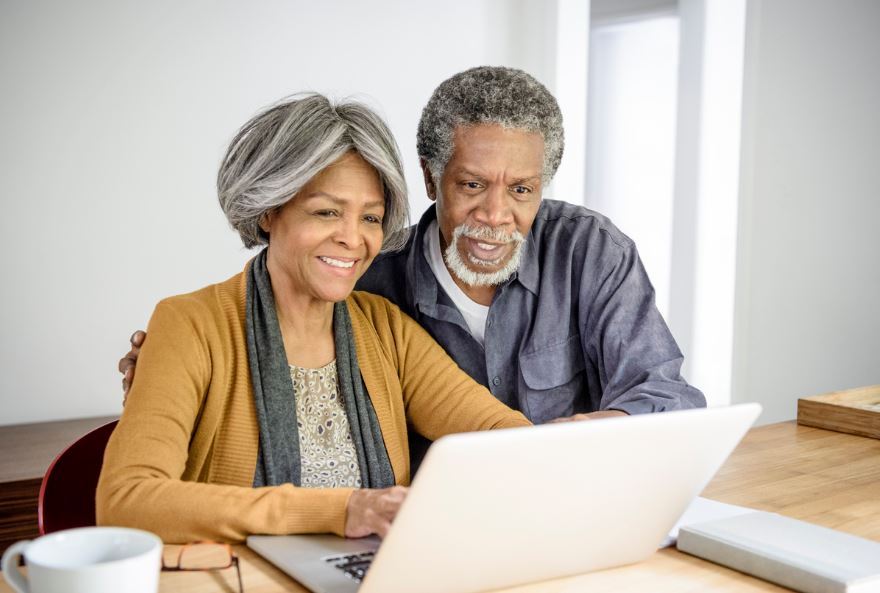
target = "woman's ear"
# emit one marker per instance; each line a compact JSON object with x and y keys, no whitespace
{"x":266,"y":221}
{"x":430,"y":187}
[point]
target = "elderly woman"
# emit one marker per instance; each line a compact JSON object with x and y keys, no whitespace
{"x":278,"y":401}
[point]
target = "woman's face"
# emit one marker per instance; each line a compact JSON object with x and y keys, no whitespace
{"x":326,"y":237}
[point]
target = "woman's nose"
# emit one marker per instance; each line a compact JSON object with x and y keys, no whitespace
{"x":348,"y":232}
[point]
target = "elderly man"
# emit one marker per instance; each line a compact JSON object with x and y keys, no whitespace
{"x":545,"y":303}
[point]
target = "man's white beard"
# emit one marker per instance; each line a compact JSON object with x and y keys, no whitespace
{"x":471,"y":278}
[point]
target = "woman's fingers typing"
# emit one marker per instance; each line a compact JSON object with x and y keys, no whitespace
{"x":372,"y":510}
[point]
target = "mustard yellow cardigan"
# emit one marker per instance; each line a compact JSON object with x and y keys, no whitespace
{"x":181,"y":461}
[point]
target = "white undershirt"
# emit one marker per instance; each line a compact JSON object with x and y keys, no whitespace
{"x":474,"y":313}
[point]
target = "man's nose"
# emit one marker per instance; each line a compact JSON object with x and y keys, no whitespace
{"x":494,"y":210}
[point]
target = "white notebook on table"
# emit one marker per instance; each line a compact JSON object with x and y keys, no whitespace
{"x":791,"y":553}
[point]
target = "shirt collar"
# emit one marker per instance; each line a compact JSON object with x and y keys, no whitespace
{"x":423,"y":284}
{"x":528,"y":272}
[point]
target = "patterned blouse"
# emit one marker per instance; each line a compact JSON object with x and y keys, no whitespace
{"x":327,"y":453}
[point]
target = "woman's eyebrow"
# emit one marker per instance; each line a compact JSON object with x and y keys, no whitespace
{"x":340,"y":201}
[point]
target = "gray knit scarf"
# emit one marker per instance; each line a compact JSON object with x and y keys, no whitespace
{"x":278,"y":460}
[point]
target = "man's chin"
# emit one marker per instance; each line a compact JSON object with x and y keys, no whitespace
{"x":477,"y":273}
{"x":484,"y":267}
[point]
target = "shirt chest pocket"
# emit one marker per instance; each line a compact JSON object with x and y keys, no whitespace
{"x":553,"y":380}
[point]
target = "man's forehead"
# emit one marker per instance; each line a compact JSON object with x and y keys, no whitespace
{"x":484,"y":148}
{"x":493,"y":129}
{"x":485,"y":171}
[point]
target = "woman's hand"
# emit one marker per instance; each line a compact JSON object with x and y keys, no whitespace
{"x":372,"y":510}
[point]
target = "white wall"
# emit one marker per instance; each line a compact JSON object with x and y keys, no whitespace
{"x":631,"y":136}
{"x":665,"y":118}
{"x":808,"y":279}
{"x":707,"y":184}
{"x":114,"y":115}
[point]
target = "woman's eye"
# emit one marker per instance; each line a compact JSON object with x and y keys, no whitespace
{"x":373,"y":219}
{"x":326,"y":213}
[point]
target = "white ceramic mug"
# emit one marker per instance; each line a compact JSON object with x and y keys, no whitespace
{"x":86,"y":560}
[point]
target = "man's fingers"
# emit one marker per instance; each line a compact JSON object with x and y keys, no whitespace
{"x":563,"y":419}
{"x":589,"y":416}
{"x":137,"y":339}
{"x":126,"y":363}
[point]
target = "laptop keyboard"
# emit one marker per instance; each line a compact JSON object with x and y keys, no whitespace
{"x":353,"y":565}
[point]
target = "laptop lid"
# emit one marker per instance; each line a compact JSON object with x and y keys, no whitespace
{"x":494,"y":509}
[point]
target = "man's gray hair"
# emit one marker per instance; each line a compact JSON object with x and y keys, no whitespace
{"x":508,"y":97}
{"x":281,"y":149}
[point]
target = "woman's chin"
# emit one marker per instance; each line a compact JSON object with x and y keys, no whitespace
{"x":334,"y":294}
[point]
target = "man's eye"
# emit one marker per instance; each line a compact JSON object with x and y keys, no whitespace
{"x":472,"y":185}
{"x":522,"y":189}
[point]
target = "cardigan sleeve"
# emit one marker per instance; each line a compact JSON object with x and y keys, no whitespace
{"x":440,"y":398}
{"x":152,"y":447}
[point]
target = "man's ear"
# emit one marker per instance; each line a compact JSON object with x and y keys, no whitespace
{"x":430,"y":187}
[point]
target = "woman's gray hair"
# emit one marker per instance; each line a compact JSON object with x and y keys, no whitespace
{"x":489,"y":95}
{"x":281,"y":149}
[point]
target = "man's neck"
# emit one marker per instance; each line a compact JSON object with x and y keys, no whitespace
{"x":479,"y":294}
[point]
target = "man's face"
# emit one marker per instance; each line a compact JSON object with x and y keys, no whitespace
{"x":490,"y":192}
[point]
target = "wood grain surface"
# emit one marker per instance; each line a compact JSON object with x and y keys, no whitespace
{"x":856,"y":411}
{"x":825,"y":477}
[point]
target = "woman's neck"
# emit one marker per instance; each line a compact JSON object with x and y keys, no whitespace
{"x":306,"y":323}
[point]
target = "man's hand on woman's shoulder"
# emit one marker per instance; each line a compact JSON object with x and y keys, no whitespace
{"x":128,"y":362}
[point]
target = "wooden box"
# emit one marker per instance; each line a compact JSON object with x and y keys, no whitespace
{"x":855,"y":411}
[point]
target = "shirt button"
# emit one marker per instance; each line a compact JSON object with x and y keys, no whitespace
{"x":496,"y":381}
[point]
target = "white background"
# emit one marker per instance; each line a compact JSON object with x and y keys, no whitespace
{"x":114,"y":115}
{"x":808,"y":264}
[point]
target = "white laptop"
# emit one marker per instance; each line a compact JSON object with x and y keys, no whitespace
{"x":494,"y":509}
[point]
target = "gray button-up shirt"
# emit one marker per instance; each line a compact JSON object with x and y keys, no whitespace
{"x":574,"y":330}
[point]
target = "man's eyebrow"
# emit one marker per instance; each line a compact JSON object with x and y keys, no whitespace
{"x":525,"y":179}
{"x":340,"y":201}
{"x":469,"y":173}
{"x":518,"y":180}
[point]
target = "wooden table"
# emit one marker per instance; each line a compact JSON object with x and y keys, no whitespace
{"x":828,"y":478}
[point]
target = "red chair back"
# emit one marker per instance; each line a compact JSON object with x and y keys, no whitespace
{"x":67,"y":495}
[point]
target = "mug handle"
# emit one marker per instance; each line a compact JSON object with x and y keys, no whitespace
{"x":11,"y":572}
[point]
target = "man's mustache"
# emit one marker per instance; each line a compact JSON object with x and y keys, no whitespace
{"x":488,"y":233}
